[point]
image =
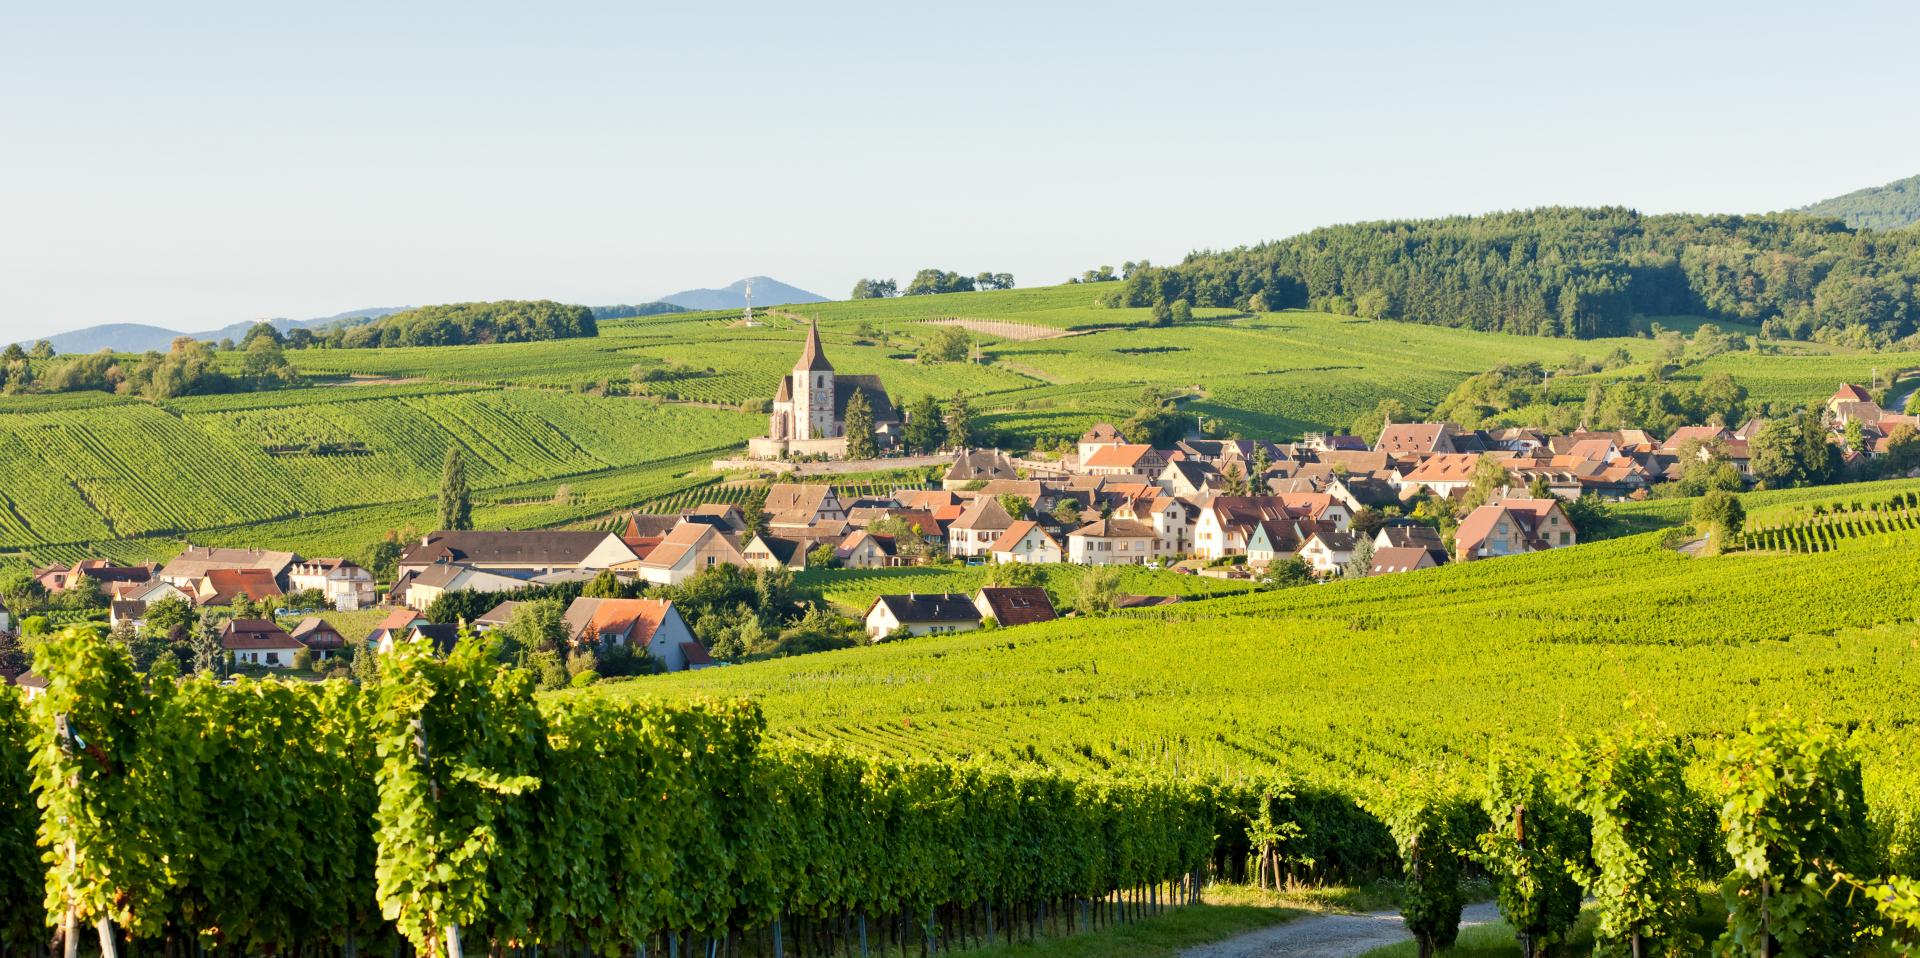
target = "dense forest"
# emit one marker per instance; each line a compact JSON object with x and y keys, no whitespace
{"x":629,"y":312}
{"x":189,"y":368}
{"x":1570,"y":272}
{"x":1888,"y":207}
{"x":457,"y":324}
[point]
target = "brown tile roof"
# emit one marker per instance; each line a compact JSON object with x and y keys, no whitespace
{"x":1411,"y":438}
{"x":1015,"y":533}
{"x":1018,"y":606}
{"x":1115,"y":529}
{"x":249,"y":635}
{"x":1102,"y":432}
{"x":317,"y":633}
{"x":984,"y":514}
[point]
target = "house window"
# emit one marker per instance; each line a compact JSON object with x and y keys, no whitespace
{"x":273,"y":658}
{"x":1563,"y":538}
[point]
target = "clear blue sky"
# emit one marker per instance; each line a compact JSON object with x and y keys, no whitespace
{"x":194,"y":164}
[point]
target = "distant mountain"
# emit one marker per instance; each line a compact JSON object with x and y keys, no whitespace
{"x":139,"y":337}
{"x":766,"y":292}
{"x":1888,"y":207}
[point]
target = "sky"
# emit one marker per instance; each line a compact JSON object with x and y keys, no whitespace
{"x":191,"y":164}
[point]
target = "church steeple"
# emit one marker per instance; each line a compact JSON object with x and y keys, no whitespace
{"x":812,"y":358}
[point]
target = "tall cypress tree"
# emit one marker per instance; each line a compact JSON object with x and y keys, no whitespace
{"x":859,"y":426}
{"x":456,"y":504}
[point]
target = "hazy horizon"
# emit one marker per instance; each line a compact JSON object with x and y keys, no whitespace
{"x":193,"y":166}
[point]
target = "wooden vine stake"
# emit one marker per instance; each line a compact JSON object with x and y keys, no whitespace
{"x":454,"y":949}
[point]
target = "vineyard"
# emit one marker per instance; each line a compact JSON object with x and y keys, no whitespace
{"x":1824,"y":527}
{"x":444,"y":809}
{"x":1343,"y":684}
{"x":253,"y":470}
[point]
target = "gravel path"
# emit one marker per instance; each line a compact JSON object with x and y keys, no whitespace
{"x":1328,"y":936}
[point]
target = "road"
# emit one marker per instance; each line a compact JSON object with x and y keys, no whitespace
{"x":1328,"y":936}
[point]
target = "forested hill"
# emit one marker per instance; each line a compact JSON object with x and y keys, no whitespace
{"x":1564,"y":271}
{"x":1890,"y":207}
{"x":456,"y":324}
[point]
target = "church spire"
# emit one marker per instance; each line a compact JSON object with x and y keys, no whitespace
{"x":812,"y":359}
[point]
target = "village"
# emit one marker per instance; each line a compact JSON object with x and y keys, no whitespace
{"x":1325,"y":507}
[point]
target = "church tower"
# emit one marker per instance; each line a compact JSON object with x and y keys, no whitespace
{"x":813,"y":391}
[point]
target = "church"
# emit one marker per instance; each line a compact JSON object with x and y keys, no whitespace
{"x":810,"y":408}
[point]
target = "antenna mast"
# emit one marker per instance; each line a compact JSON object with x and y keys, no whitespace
{"x":748,"y":319}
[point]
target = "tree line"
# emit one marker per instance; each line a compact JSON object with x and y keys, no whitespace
{"x":188,"y":368}
{"x":929,"y":281}
{"x":1564,"y":271}
{"x":459,"y":324}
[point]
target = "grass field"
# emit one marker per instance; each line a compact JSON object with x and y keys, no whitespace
{"x":1349,"y":683}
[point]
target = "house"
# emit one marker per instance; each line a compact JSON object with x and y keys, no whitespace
{"x":809,"y":414}
{"x":1111,"y":542}
{"x":929,"y":614}
{"x":1171,"y":518}
{"x":1224,"y":523}
{"x":521,"y":553}
{"x":1025,"y":541}
{"x":320,"y":637}
{"x":130,"y":613}
{"x":346,"y":586}
{"x":689,"y":549}
{"x":770,"y":551}
{"x":1444,"y":474}
{"x":1125,"y":460}
{"x":980,"y":525}
{"x":496,"y":617}
{"x":1023,"y":605}
{"x":391,"y":628}
{"x":978,"y":465}
{"x":224,"y":586}
{"x":1190,"y":478}
{"x":1327,"y":550}
{"x":802,"y":504}
{"x":259,"y":642}
{"x":650,"y":625}
{"x":1851,"y":402}
{"x":150,"y":591}
{"x":724,"y":516}
{"x":864,"y":550}
{"x":97,"y":574}
{"x":1271,"y":539}
{"x":1694,"y":434}
{"x":1407,"y":535}
{"x":189,"y":567}
{"x":417,"y":590}
{"x":1409,"y":440}
{"x":644,"y":531}
{"x":443,"y":636}
{"x":1400,"y":559}
{"x":1513,"y":527}
{"x":1101,"y":435}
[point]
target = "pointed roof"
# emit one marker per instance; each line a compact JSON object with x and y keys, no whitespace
{"x":812,"y":359}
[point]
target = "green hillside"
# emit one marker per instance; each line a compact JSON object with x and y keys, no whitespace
{"x":322,"y":470}
{"x":1890,"y":207}
{"x":329,"y":467}
{"x":1343,"y":684}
